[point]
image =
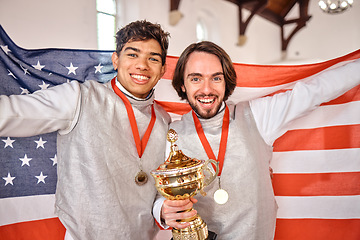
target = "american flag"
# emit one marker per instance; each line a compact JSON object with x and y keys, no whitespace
{"x":28,"y":165}
{"x":316,"y":163}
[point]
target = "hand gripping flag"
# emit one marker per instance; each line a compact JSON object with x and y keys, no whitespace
{"x":316,"y":180}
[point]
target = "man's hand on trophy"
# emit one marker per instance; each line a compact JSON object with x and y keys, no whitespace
{"x":175,"y":212}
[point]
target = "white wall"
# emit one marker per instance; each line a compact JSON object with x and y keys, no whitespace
{"x":327,"y":36}
{"x":72,"y":24}
{"x":222,"y":19}
{"x":50,"y":23}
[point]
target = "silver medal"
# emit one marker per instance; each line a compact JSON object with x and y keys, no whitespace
{"x":221,"y":196}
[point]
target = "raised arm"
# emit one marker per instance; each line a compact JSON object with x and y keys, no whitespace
{"x":273,"y":114}
{"x":44,"y":111}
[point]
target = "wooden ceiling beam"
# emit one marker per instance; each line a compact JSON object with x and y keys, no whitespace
{"x":257,"y":7}
{"x":274,"y":11}
{"x":175,"y":15}
{"x":271,"y":16}
{"x":300,"y":23}
{"x":174,"y":5}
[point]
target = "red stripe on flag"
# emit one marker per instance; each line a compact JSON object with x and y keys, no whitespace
{"x":170,"y":67}
{"x":350,"y":96}
{"x":251,"y":75}
{"x":175,"y":107}
{"x":334,"y":137}
{"x":45,"y":229}
{"x":279,"y":91}
{"x":317,"y":229}
{"x":317,"y":184}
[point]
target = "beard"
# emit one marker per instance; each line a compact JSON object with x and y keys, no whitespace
{"x":205,"y":113}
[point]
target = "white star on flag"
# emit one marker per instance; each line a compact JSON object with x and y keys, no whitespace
{"x":9,"y":179}
{"x":54,"y":159}
{"x":38,"y":66}
{"x":41,"y":178}
{"x":98,"y":68}
{"x":11,"y":74}
{"x":8,"y":142}
{"x":25,"y":160}
{"x":44,"y":86}
{"x":40,"y":143}
{"x":5,"y":49}
{"x":72,"y":69}
{"x":24,"y":91}
{"x":25,"y":70}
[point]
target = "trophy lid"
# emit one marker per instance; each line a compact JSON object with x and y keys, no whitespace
{"x":177,"y":163}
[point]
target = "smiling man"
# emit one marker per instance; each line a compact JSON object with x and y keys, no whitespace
{"x":204,"y":84}
{"x":140,"y":66}
{"x":109,"y":137}
{"x":240,"y":203}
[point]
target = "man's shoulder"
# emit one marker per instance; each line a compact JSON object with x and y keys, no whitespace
{"x":243,"y":106}
{"x":162,"y":112}
{"x":95,"y":86}
{"x":92,"y":83}
{"x":184,"y":120}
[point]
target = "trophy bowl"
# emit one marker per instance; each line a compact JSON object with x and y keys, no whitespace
{"x":181,"y":177}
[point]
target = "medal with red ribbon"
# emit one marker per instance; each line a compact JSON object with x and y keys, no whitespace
{"x":220,"y":195}
{"x":141,"y":178}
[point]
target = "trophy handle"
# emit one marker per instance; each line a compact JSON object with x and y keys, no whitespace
{"x":213,"y":175}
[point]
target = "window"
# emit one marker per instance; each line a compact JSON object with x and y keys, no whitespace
{"x":106,"y":24}
{"x":201,"y":32}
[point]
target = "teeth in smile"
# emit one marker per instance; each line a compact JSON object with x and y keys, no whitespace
{"x":206,"y":100}
{"x":140,"y":77}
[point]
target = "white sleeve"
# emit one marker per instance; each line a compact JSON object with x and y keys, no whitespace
{"x":273,"y":114}
{"x":157,"y":210}
{"x":44,"y":111}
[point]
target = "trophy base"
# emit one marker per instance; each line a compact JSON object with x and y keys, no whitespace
{"x":197,"y":231}
{"x":211,"y":236}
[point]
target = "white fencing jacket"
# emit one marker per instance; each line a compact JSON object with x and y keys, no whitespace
{"x":250,"y":212}
{"x":96,"y":196}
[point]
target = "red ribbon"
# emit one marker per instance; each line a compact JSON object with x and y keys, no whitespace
{"x":223,"y":140}
{"x":140,"y":144}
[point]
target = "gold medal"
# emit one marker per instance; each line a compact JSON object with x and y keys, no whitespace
{"x":221,"y":196}
{"x":141,"y":178}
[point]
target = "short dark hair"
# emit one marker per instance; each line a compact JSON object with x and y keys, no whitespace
{"x":211,"y":48}
{"x":143,"y":30}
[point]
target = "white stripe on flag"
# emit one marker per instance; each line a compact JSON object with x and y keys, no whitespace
{"x":324,"y":207}
{"x":164,"y":91}
{"x":246,"y":93}
{"x":321,"y":161}
{"x":329,"y":115}
{"x":21,"y":209}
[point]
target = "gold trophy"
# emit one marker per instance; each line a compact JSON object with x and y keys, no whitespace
{"x":181,"y":177}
